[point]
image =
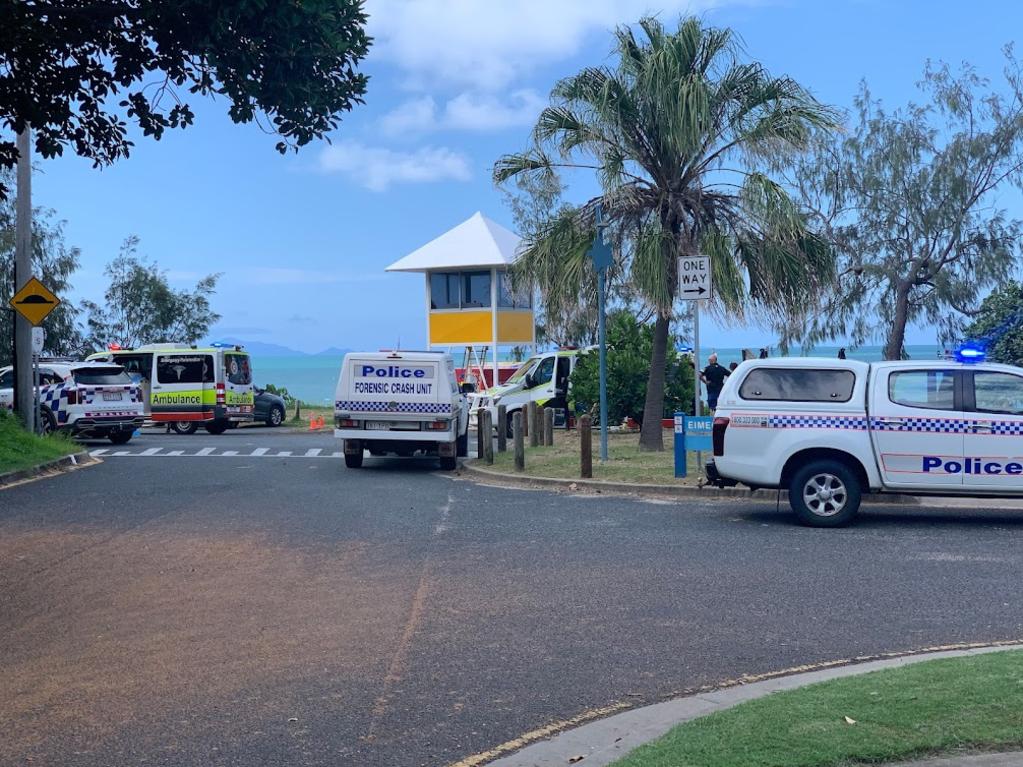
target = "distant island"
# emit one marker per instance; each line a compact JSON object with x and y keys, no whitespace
{"x":277,"y":350}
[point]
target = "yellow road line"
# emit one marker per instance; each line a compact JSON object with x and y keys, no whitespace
{"x":556,"y":727}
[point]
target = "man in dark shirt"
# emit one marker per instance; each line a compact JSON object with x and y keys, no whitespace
{"x":714,"y":376}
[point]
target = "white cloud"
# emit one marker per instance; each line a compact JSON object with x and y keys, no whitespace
{"x":469,"y":111}
{"x":487,"y":45}
{"x":378,"y":169}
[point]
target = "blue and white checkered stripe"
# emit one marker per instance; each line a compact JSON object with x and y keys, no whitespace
{"x":1006,"y":428}
{"x":431,"y":408}
{"x":817,"y":422}
{"x":54,"y":398}
{"x":930,"y":425}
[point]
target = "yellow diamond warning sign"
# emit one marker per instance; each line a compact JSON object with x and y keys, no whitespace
{"x":34,"y":301}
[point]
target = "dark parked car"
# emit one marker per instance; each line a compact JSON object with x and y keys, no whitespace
{"x":269,"y":408}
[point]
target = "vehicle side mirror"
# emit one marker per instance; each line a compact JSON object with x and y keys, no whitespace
{"x":467,"y":388}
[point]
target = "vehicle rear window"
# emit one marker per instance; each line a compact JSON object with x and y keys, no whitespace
{"x":239,"y":371}
{"x":798,"y":385}
{"x":929,"y":389}
{"x":192,"y":368}
{"x":100,"y":376}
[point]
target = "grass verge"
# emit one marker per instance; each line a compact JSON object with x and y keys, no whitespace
{"x":973,"y":703}
{"x":21,"y":450}
{"x":310,"y":411}
{"x":626,"y":462}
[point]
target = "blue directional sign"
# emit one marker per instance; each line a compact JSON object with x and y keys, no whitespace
{"x":600,"y":250}
{"x":699,"y":431}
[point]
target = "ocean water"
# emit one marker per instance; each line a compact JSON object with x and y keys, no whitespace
{"x":314,"y":378}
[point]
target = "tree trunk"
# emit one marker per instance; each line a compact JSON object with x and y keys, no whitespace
{"x":897,"y":335}
{"x":651,"y":435}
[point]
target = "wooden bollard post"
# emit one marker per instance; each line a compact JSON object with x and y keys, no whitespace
{"x":520,"y":448}
{"x":502,"y":428}
{"x":534,"y":431}
{"x":548,"y":427}
{"x":585,"y":447}
{"x":527,"y":415}
{"x":488,"y":440}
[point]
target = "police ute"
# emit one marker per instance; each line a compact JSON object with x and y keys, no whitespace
{"x":403,"y":403}
{"x":830,"y":430}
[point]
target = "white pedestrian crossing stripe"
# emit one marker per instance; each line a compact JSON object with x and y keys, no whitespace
{"x":212,"y":452}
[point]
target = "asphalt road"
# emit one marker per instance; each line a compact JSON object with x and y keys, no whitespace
{"x":279,"y":609}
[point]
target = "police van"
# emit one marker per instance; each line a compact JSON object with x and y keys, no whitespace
{"x":829,"y":431}
{"x":188,"y":386}
{"x":543,"y":378}
{"x":83,"y":399}
{"x":400,"y":402}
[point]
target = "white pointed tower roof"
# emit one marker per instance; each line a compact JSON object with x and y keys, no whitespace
{"x":477,"y":242}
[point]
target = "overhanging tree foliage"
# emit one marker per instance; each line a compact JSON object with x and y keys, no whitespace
{"x":675,"y":132}
{"x":909,"y":199}
{"x":78,"y":70}
{"x":140,"y":307}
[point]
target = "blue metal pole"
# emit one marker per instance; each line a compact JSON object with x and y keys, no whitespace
{"x":602,"y":340}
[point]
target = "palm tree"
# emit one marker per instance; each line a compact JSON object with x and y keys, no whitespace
{"x":677,"y":133}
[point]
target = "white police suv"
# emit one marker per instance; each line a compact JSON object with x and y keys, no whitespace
{"x":830,"y":430}
{"x":85,"y":399}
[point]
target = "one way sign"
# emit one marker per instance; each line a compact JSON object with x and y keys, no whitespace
{"x":694,"y":279}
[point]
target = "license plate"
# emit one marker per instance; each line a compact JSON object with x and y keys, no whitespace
{"x":378,"y":425}
{"x":111,"y":396}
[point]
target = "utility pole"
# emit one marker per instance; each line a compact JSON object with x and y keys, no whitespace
{"x":24,"y":391}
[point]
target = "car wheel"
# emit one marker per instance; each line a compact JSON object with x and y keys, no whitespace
{"x":825,"y":494}
{"x":49,"y":423}
{"x":353,"y":460}
{"x":185,"y":427}
{"x":216,"y":427}
{"x":120,"y":437}
{"x":275,"y":417}
{"x":462,"y":448}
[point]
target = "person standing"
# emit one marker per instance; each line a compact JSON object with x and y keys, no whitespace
{"x":841,"y":353}
{"x":713,"y":376}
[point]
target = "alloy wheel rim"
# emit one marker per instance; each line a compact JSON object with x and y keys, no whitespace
{"x":825,"y":495}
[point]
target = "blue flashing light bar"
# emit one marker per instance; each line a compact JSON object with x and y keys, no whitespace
{"x":970,"y":353}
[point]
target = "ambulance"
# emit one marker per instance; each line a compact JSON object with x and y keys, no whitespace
{"x":404,"y":403}
{"x":543,"y":378}
{"x":829,"y":431}
{"x":188,"y":386}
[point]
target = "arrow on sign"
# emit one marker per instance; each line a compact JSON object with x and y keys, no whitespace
{"x":701,"y":290}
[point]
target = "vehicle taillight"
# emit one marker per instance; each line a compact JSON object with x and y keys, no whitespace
{"x":220,"y":394}
{"x":437,"y":426}
{"x":72,"y":396}
{"x":718,"y":435}
{"x":346,"y":423}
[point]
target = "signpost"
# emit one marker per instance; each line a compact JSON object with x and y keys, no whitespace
{"x":600,"y":252}
{"x":695,"y":283}
{"x":34,"y":302}
{"x":693,"y":434}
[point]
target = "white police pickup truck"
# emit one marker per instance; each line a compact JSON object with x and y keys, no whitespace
{"x":830,"y":430}
{"x":403,"y":403}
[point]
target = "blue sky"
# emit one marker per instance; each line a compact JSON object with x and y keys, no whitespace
{"x":303,"y":239}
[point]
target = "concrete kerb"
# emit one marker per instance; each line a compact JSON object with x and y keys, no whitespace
{"x":601,"y":742}
{"x":50,"y":468}
{"x":704,"y":492}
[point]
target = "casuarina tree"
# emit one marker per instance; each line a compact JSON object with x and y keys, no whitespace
{"x":77,"y":71}
{"x":677,"y":131}
{"x":912,"y":200}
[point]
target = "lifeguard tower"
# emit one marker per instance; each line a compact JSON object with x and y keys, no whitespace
{"x":469,"y":299}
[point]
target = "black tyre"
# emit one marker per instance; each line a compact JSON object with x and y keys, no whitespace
{"x":216,"y":427}
{"x":49,"y":423}
{"x":448,"y":463}
{"x":825,"y":494}
{"x":353,"y":460}
{"x":120,"y":437}
{"x":275,"y":417}
{"x":462,"y":447}
{"x":185,"y":427}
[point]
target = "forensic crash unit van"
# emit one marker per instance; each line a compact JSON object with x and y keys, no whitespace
{"x":543,"y":379}
{"x":188,"y":386}
{"x":829,"y":431}
{"x":403,"y":403}
{"x":83,"y":399}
